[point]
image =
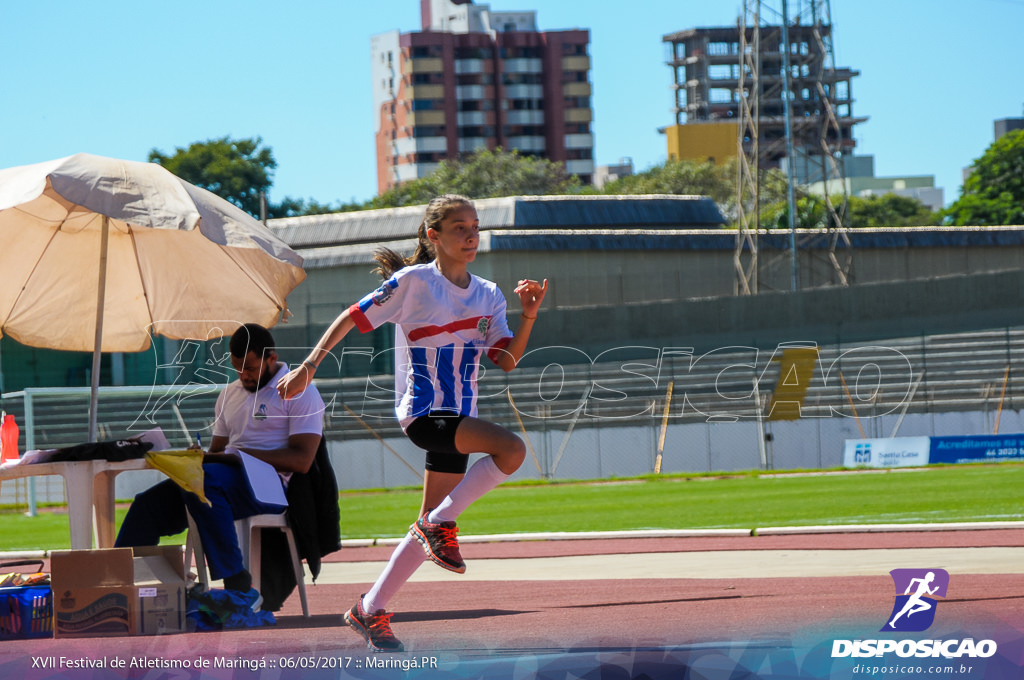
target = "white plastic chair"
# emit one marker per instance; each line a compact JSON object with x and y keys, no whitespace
{"x":249,"y":532}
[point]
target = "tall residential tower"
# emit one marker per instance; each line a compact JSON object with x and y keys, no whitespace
{"x":476,"y":79}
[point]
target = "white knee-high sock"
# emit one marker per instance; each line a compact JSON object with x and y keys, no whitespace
{"x":404,"y":562}
{"x":483,"y":476}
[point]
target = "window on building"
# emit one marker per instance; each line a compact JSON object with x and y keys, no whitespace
{"x":522,"y":78}
{"x":720,"y":95}
{"x":473,"y":53}
{"x":527,"y":104}
{"x":476,"y":131}
{"x":723,"y":71}
{"x":428,"y":131}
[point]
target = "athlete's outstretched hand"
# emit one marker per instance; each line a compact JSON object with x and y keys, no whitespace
{"x":531,"y":294}
{"x":295,"y":381}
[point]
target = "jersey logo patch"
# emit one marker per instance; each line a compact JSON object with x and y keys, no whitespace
{"x":483,"y":325}
{"x":384,"y":293}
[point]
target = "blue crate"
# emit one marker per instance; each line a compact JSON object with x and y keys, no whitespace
{"x":26,"y":612}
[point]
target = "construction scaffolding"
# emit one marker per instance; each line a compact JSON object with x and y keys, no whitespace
{"x":794,"y":114}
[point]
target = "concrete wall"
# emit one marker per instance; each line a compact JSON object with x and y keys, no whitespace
{"x":658,"y":290}
{"x":828,"y":316}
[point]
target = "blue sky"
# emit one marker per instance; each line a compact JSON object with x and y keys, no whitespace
{"x":118,"y":78}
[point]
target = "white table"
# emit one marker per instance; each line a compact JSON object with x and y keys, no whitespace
{"x":90,"y":490}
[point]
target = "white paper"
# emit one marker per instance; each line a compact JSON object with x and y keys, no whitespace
{"x":264,"y":480}
{"x":34,"y":456}
{"x":157,"y":438}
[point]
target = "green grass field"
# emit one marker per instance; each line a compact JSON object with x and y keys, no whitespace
{"x":966,"y":493}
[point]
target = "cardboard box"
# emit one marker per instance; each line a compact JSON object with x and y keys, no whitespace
{"x":118,"y":591}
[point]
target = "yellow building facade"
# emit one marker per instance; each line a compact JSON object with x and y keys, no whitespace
{"x":716,"y":142}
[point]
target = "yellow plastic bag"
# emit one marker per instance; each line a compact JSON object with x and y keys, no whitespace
{"x":184,"y":467}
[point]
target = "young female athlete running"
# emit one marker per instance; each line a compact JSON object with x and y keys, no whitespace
{"x":445,"y":319}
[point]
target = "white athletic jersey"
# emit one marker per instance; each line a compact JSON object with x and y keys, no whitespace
{"x":440,"y":332}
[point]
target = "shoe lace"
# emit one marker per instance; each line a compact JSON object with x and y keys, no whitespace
{"x":448,"y":536}
{"x":379,"y":626}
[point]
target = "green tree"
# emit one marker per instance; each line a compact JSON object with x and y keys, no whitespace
{"x":993,"y":193}
{"x":889,"y":210}
{"x":294,"y":207}
{"x":234,"y":169}
{"x":681,"y":177}
{"x":698,"y":178}
{"x":483,"y":174}
{"x":811,"y":213}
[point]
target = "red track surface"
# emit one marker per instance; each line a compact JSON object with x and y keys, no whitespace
{"x":487,"y":618}
{"x":637,"y":611}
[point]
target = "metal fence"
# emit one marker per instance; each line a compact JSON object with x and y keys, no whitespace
{"x":620,"y":414}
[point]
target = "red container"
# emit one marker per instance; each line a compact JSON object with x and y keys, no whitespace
{"x":9,"y":439}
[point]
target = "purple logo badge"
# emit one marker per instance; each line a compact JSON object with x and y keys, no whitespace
{"x":916,"y":590}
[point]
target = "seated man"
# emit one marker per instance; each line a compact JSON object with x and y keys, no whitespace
{"x":250,"y":417}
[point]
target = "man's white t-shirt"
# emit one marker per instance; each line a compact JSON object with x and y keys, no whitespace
{"x":441,"y":330}
{"x":262,"y":419}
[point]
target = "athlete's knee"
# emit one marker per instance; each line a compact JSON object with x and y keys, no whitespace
{"x":512,"y":456}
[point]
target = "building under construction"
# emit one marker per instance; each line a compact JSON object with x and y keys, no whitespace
{"x":713,"y":72}
{"x":768,"y":93}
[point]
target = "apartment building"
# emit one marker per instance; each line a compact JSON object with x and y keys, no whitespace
{"x":473,"y":78}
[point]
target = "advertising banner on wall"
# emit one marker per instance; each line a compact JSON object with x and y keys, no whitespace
{"x":886,"y":453}
{"x":911,"y":451}
{"x":975,"y":448}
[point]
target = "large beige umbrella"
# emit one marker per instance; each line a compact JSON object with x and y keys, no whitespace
{"x":97,"y":254}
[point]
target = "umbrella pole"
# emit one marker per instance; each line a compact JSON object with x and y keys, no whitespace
{"x":98,"y":346}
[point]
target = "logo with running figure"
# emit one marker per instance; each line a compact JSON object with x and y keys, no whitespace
{"x":914,"y":609}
